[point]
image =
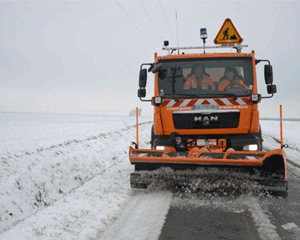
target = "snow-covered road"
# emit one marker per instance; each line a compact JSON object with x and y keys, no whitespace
{"x":188,"y":215}
{"x":70,"y":180}
{"x":142,"y":218}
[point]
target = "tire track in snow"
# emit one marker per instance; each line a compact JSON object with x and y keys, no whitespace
{"x":266,"y":230}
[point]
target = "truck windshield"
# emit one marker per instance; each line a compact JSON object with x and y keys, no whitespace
{"x":214,"y":77}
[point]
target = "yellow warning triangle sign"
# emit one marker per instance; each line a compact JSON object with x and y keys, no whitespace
{"x":228,"y":34}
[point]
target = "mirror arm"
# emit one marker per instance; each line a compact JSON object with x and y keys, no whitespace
{"x":145,"y":64}
{"x":145,"y":100}
{"x":261,"y":60}
{"x":268,"y":96}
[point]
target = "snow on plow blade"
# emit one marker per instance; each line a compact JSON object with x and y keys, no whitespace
{"x":266,"y":168}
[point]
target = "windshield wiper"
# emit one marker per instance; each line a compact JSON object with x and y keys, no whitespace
{"x":173,"y":79}
{"x":209,"y":95}
{"x":173,"y":82}
{"x":226,"y":95}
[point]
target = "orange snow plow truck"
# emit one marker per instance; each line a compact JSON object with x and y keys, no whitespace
{"x":206,"y":116}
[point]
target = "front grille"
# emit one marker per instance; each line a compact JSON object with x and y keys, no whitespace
{"x":206,"y":120}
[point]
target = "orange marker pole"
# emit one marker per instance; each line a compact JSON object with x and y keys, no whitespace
{"x":281,"y":137}
{"x":137,"y":127}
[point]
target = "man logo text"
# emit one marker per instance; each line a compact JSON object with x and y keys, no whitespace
{"x":206,"y":118}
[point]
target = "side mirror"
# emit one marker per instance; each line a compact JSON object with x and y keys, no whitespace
{"x":268,"y":74}
{"x":156,"y":68}
{"x":271,"y":89}
{"x":142,"y":92}
{"x":143,"y":78}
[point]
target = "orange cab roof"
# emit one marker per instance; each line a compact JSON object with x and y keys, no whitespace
{"x":205,"y":55}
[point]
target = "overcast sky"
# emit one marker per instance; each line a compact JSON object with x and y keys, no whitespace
{"x":84,"y":57}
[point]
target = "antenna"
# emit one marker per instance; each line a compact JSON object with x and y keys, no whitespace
{"x":177,"y":27}
{"x":166,"y":20}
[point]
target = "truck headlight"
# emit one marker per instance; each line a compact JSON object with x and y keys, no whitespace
{"x":157,"y":100}
{"x":251,"y":147}
{"x":255,"y":98}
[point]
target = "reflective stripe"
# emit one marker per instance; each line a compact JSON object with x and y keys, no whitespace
{"x":170,"y":104}
{"x":240,"y":101}
{"x":204,"y":83}
{"x":205,"y":102}
{"x":200,"y":101}
{"x":165,"y":102}
{"x":185,"y":102}
{"x":205,"y":111}
{"x":178,"y":103}
{"x":226,"y":84}
{"x":226,"y":101}
{"x":212,"y":102}
{"x":223,"y":84}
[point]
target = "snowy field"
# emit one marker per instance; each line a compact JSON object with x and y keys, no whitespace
{"x":291,"y":137}
{"x":64,"y":176}
{"x":21,"y":132}
{"x":67,"y":176}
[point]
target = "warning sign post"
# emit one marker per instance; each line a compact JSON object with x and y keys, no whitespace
{"x":228,"y":34}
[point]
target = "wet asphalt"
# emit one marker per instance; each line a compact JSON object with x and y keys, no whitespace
{"x":193,"y":216}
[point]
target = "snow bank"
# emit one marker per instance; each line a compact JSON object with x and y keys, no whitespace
{"x":68,"y":190}
{"x":291,"y":131}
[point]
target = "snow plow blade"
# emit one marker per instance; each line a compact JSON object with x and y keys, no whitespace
{"x":183,"y":168}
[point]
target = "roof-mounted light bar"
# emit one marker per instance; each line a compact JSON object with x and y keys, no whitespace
{"x":238,"y":47}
